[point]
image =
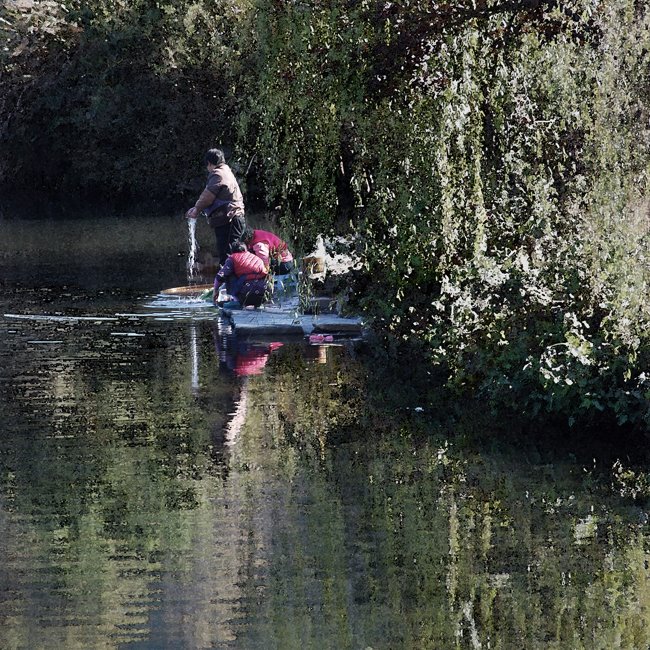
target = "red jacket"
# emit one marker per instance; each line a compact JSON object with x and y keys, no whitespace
{"x":248,"y":264}
{"x":266,"y":245}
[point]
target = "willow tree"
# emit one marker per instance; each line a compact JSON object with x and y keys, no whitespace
{"x":490,"y":159}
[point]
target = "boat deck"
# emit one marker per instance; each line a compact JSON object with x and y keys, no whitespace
{"x":286,"y":319}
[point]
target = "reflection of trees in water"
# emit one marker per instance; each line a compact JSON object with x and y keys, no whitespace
{"x":108,"y":454}
{"x":332,"y":521}
{"x":391,"y":542}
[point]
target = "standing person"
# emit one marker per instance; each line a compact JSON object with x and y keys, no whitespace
{"x":222,"y":202}
{"x":270,"y":249}
{"x":244,"y":275}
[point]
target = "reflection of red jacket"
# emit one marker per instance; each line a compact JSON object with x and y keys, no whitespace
{"x":253,"y":360}
{"x":269,"y":246}
{"x":247,"y":264}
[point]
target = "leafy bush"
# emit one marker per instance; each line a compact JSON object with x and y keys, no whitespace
{"x":114,"y":99}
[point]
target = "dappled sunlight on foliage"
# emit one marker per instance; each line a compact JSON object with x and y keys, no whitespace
{"x":490,"y":158}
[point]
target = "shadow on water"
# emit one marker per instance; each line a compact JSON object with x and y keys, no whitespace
{"x":164,"y":484}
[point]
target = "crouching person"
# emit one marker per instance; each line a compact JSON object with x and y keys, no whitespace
{"x":270,"y":249}
{"x":244,"y":275}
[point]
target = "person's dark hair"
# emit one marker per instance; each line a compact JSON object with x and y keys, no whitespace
{"x":247,"y":235}
{"x":214,"y":156}
{"x":237,"y":247}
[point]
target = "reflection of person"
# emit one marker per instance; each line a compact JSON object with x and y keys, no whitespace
{"x":244,"y":275}
{"x":222,"y":202}
{"x":251,"y":359}
{"x":270,"y":249}
{"x":242,"y":357}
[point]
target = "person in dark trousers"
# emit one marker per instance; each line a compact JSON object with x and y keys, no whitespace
{"x":222,"y":202}
{"x":244,"y":275}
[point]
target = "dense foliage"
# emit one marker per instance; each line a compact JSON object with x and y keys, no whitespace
{"x":105,"y":99}
{"x":490,"y":157}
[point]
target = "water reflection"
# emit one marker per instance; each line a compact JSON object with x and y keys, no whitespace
{"x":163,"y":485}
{"x":195,"y":359}
{"x":243,"y":357}
{"x":246,"y":357}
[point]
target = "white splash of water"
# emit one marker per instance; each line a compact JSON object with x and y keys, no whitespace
{"x":191,"y":238}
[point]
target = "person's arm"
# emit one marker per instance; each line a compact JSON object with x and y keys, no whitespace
{"x":220,"y":278}
{"x":204,"y":201}
{"x":226,"y":270}
{"x":217,"y":283}
{"x":284,"y":254}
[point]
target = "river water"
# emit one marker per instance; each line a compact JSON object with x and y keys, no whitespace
{"x":163,"y":485}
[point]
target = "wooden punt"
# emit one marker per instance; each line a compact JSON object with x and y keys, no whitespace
{"x":191,"y":290}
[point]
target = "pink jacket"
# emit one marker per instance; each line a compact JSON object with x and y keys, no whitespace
{"x":266,"y":245}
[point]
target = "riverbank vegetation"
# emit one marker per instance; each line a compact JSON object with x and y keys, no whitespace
{"x":489,"y":159}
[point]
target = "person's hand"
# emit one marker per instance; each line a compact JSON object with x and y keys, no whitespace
{"x":191,"y":213}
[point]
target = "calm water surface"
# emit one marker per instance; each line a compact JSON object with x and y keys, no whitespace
{"x":163,"y":485}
